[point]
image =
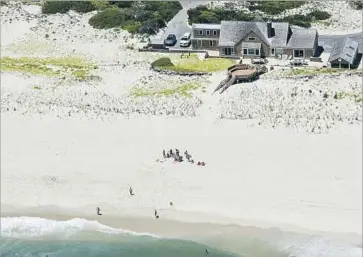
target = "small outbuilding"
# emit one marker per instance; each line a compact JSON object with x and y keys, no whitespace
{"x":344,"y":54}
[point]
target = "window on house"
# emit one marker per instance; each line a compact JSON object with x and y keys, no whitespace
{"x":228,"y":51}
{"x":272,"y":51}
{"x":251,"y":51}
{"x":252,"y":38}
{"x":208,"y":32}
{"x":211,"y":43}
{"x":200,"y":32}
{"x":351,"y":47}
{"x":299,"y":53}
{"x":199,"y":42}
{"x":214,"y":33}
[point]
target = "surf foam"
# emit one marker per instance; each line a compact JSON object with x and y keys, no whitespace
{"x":317,"y":246}
{"x":25,"y":227}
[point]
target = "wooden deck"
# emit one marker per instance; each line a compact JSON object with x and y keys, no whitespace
{"x":243,"y":73}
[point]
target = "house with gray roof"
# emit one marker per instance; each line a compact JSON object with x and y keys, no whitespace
{"x":344,"y":54}
{"x":255,"y":39}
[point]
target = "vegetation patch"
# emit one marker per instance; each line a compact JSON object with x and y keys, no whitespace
{"x":52,"y":7}
{"x":313,"y":71}
{"x":68,"y":66}
{"x":357,"y":5}
{"x":193,"y":64}
{"x":145,"y":17}
{"x":354,"y":96}
{"x":202,"y":14}
{"x":184,"y":90}
{"x":274,"y":7}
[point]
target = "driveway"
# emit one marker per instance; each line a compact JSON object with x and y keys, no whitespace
{"x":179,"y":24}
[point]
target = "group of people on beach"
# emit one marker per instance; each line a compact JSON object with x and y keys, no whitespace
{"x":178,"y":158}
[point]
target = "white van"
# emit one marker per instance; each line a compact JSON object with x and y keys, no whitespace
{"x":185,"y":40}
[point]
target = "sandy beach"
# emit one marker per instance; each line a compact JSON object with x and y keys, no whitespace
{"x":280,"y":153}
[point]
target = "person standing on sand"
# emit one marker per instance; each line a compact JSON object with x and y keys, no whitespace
{"x":156,"y":214}
{"x":164,"y":154}
{"x":98,"y":210}
{"x":131,"y":191}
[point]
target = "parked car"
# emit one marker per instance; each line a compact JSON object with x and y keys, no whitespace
{"x":185,"y":40}
{"x":170,"y":40}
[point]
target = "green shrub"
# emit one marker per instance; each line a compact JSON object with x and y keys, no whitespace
{"x":161,"y":9}
{"x":56,"y":7}
{"x":202,"y":14}
{"x":152,"y":27}
{"x":297,"y":19}
{"x":52,"y":7}
{"x":357,"y":5}
{"x":131,"y":26}
{"x":319,"y":15}
{"x":109,"y":18}
{"x":136,"y":17}
{"x":274,"y":7}
{"x":122,"y":4}
{"x":162,"y":62}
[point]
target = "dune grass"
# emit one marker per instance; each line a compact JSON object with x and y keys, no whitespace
{"x":192,"y":63}
{"x":68,"y":66}
{"x":354,"y":96}
{"x":312,"y":71}
{"x":184,"y":90}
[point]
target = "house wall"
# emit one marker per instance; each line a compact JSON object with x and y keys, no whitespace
{"x":335,"y":64}
{"x":205,"y":45}
{"x":221,"y":51}
{"x":195,"y":33}
{"x":265,"y":49}
{"x":307,"y":52}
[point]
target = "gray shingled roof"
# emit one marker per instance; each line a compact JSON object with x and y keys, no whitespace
{"x":232,"y":32}
{"x":206,"y":26}
{"x":302,"y":38}
{"x":345,"y":49}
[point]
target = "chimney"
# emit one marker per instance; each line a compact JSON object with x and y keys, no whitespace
{"x":270,"y":30}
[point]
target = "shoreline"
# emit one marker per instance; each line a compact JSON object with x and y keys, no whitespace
{"x":179,"y":225}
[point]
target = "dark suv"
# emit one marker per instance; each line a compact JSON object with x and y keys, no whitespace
{"x":170,"y":40}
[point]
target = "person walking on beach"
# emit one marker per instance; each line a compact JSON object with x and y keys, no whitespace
{"x":98,"y":210}
{"x":131,"y":191}
{"x":164,"y":154}
{"x":156,"y":214}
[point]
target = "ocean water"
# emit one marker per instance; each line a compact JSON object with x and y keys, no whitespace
{"x":39,"y":237}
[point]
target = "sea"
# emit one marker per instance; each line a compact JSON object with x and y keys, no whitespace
{"x":39,"y":237}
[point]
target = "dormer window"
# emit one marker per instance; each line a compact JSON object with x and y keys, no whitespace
{"x":214,"y":33}
{"x":252,"y":38}
{"x":351,"y":47}
{"x":200,"y":32}
{"x":207,"y":32}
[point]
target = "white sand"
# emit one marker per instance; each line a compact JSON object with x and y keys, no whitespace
{"x":64,"y":148}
